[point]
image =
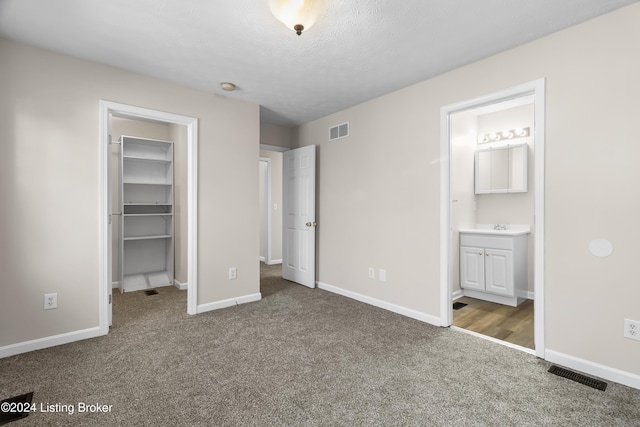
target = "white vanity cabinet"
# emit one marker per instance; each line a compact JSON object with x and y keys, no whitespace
{"x":493,"y":266}
{"x":146,"y":197}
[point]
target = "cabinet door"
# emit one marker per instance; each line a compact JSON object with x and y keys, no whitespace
{"x":472,"y":268}
{"x":499,"y":272}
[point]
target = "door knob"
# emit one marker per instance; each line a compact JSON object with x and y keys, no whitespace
{"x":310,"y":224}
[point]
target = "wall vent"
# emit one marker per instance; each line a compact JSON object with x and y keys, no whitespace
{"x":339,"y":131}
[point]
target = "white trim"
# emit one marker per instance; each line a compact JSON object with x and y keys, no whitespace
{"x":527,"y":295}
{"x":115,"y":285}
{"x":275,"y":261}
{"x":457,"y":294}
{"x":495,"y":340}
{"x":602,"y":371}
{"x":414,"y":314}
{"x":108,"y":108}
{"x":267,"y":259}
{"x":181,"y":286}
{"x":461,"y":293}
{"x":51,"y":341}
{"x":537,"y":89}
{"x":274,"y":148}
{"x":217,"y":305}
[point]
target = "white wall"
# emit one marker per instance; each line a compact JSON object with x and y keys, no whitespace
{"x":379,"y":189}
{"x":49,"y":187}
{"x":275,"y":135}
{"x":264,"y":223}
{"x":464,"y":131}
{"x":276,"y":204}
{"x":178,"y":134}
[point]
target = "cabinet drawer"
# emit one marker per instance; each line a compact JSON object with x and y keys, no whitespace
{"x":487,"y":241}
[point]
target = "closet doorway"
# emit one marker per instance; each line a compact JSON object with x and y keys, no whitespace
{"x":452,"y":199}
{"x":114,"y":118}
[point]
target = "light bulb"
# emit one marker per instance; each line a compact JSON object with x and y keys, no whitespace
{"x":298,"y":15}
{"x":507,"y":134}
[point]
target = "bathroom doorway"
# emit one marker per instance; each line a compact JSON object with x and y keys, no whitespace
{"x":494,"y":125}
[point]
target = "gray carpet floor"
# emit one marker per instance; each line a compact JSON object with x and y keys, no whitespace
{"x":298,"y":357}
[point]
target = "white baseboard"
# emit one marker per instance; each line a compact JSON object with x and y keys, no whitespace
{"x":595,"y":369}
{"x":262,"y":259}
{"x":414,"y":314}
{"x":217,"y":305}
{"x":52,"y":341}
{"x":115,"y":285}
{"x":275,"y":261}
{"x":525,"y":294}
{"x":181,"y":286}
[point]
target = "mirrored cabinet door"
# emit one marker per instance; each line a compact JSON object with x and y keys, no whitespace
{"x":501,"y":169}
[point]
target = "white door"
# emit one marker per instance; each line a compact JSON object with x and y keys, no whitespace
{"x":299,"y":216}
{"x":499,"y":272}
{"x":472,"y":268}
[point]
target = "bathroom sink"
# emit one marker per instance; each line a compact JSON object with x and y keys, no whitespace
{"x":512,"y":230}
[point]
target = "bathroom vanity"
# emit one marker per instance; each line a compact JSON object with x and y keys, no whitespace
{"x":493,"y":264}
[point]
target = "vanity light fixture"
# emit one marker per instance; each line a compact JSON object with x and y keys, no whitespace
{"x":505,"y":134}
{"x":298,"y":15}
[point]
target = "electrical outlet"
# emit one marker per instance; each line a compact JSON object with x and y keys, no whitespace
{"x":233,"y":273}
{"x":372,"y":273}
{"x":632,"y":329}
{"x":382,"y":275}
{"x":50,"y":301}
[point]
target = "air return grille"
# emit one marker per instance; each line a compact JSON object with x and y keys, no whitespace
{"x":582,"y":379}
{"x":339,"y":131}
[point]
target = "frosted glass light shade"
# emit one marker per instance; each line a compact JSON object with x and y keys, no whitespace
{"x":297,"y":12}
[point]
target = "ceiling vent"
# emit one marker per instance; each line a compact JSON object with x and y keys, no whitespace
{"x":340,"y":131}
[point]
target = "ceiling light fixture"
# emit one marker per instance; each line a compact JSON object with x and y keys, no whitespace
{"x":229,"y":87}
{"x":299,"y":15}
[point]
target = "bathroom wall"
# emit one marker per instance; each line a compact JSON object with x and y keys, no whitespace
{"x":510,"y":208}
{"x":464,"y":131}
{"x":468,"y":208}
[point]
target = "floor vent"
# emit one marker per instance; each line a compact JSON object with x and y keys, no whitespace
{"x":340,"y":131}
{"x":458,"y":305}
{"x":151,"y":292}
{"x":579,"y":378}
{"x":21,"y":404}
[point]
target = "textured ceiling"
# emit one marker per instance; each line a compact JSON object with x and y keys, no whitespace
{"x":358,"y":50}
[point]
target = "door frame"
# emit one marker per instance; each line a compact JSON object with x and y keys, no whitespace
{"x":536,"y":89}
{"x":267,"y":196}
{"x":106,"y":110}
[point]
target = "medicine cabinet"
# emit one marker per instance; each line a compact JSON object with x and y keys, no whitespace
{"x":501,"y":169}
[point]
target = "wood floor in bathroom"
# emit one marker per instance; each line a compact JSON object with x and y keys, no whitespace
{"x":511,"y":324}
